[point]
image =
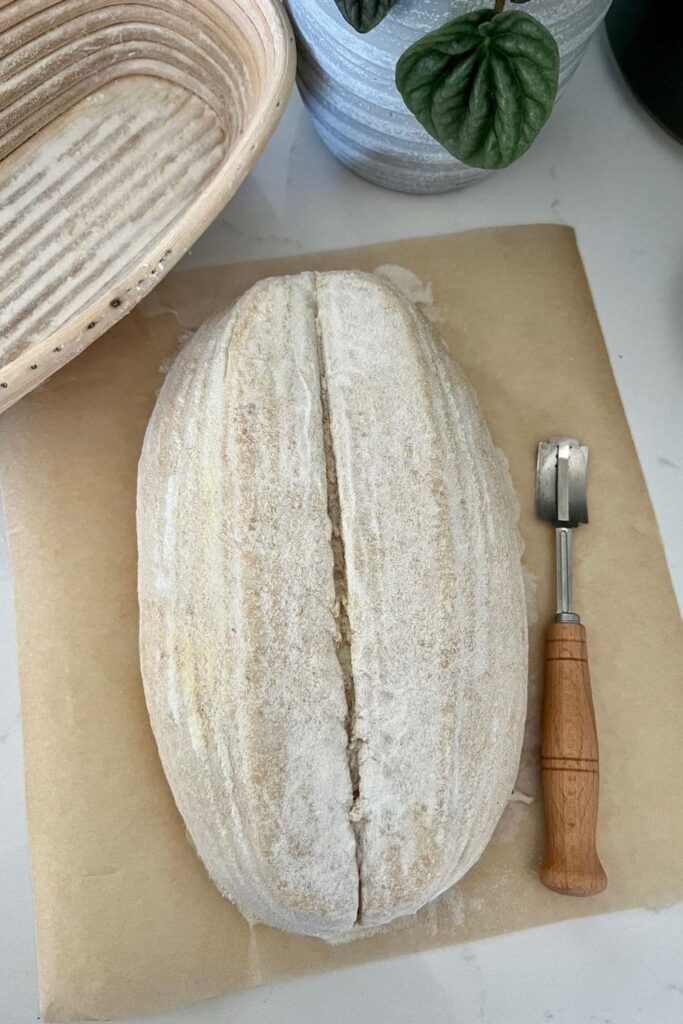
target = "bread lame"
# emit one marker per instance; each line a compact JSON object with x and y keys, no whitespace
{"x":569,"y":746}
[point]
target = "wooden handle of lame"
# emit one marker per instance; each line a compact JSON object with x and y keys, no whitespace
{"x":569,"y":763}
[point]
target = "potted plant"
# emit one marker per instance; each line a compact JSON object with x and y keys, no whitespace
{"x":428,"y":95}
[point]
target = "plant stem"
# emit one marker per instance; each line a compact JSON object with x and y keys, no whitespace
{"x":498,"y":6}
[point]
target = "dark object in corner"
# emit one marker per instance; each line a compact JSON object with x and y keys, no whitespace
{"x":646,"y":37}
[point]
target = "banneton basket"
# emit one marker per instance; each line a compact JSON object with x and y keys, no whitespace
{"x":125,"y":127}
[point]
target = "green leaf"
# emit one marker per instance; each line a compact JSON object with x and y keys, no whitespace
{"x":483,"y":85}
{"x":364,"y":14}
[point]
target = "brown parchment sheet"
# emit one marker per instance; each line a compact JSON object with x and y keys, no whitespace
{"x":127,"y":920}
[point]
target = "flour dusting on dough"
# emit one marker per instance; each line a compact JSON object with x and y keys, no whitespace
{"x":438,"y":917}
{"x":406,"y":282}
{"x":216,"y":462}
{"x":170,"y":359}
{"x":412,"y":288}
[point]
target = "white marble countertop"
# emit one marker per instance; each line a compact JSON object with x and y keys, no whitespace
{"x":602,"y":166}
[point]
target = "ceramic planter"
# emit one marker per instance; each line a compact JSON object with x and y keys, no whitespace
{"x":347,"y":82}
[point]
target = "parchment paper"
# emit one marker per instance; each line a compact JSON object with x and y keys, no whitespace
{"x":128,"y":921}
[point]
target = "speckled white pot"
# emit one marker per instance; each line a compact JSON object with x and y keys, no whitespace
{"x":347,"y":82}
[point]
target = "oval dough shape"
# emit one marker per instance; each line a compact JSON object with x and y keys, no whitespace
{"x":332,"y":620}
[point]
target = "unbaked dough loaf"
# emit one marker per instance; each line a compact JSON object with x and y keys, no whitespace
{"x":332,"y":622}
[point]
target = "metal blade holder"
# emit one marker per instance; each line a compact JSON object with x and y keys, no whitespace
{"x":561,"y":499}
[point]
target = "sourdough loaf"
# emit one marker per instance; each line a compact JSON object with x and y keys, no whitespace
{"x":332,"y":622}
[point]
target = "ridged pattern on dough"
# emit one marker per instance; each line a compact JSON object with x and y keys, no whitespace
{"x":436,"y":602}
{"x":239,"y":628}
{"x":237,"y":621}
